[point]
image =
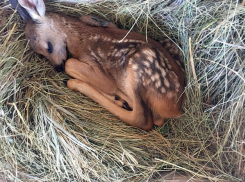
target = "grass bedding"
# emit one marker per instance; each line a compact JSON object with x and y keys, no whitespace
{"x":49,"y":133}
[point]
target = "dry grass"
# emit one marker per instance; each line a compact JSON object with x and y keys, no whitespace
{"x":49,"y":133}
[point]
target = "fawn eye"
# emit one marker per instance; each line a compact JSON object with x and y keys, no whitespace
{"x":50,"y":48}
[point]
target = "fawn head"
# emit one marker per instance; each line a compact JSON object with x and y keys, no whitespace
{"x":45,"y":35}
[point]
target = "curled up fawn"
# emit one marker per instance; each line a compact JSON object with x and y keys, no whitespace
{"x":138,"y":81}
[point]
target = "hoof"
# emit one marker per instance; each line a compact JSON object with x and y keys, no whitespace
{"x":126,"y":106}
{"x":65,"y":81}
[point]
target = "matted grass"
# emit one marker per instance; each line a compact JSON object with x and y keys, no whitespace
{"x":49,"y":133}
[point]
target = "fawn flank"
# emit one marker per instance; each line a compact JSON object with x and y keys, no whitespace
{"x":140,"y":82}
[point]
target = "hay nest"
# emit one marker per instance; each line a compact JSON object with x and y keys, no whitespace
{"x":49,"y":133}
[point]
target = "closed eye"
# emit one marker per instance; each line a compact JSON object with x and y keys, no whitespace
{"x":50,"y":48}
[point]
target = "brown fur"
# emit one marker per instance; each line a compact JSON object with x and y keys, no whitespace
{"x":104,"y":66}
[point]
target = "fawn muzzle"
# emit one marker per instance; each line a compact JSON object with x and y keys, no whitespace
{"x":60,"y":67}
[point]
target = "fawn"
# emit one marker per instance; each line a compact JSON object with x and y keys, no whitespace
{"x":137,"y":81}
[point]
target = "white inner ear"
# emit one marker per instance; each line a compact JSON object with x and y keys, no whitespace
{"x":40,"y":7}
{"x":35,"y":8}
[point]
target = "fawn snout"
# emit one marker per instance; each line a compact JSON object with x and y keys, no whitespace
{"x":60,"y":67}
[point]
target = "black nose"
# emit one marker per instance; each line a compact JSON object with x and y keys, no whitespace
{"x":61,"y":67}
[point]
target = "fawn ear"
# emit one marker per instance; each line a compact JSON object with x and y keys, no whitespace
{"x":23,"y":13}
{"x":35,"y":8}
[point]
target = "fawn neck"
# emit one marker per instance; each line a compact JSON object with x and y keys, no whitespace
{"x":77,"y":34}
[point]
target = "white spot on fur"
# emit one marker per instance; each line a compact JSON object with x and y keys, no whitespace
{"x":153,"y":78}
{"x":100,"y":52}
{"x":130,"y":61}
{"x":146,"y":63}
{"x":114,"y":51}
{"x":118,"y":54}
{"x":148,"y":72}
{"x":177,"y":85}
{"x":150,"y":58}
{"x":133,"y":41}
{"x":107,"y":39}
{"x":169,"y":66}
{"x":158,"y":84}
{"x":166,"y":82}
{"x":157,"y":76}
{"x":165,"y":59}
{"x":170,"y":95}
{"x":146,"y":81}
{"x":149,"y":52}
{"x":123,"y":50}
{"x":157,"y":64}
{"x":163,"y":90}
{"x":163,"y":72}
{"x":135,"y":66}
{"x":96,"y":37}
{"x":137,"y":55}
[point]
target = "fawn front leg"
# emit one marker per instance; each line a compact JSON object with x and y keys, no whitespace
{"x":91,"y":74}
{"x":95,"y":77}
{"x":133,"y":118}
{"x":87,"y":81}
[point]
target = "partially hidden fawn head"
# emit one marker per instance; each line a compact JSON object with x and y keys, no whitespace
{"x":45,"y":36}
